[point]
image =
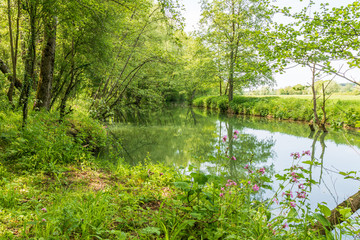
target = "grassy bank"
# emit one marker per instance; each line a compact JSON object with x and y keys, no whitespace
{"x":339,"y":112}
{"x":54,"y":185}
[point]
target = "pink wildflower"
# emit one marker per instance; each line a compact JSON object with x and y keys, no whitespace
{"x":222,"y":194}
{"x":44,"y":210}
{"x":236,"y":132}
{"x":246,"y":166}
{"x":276,"y":201}
{"x":44,"y":220}
{"x":285,"y":225}
{"x":256,"y":188}
{"x":235,"y":137}
{"x":222,"y":189}
{"x":301,"y":186}
{"x":224,"y":138}
{"x":262,"y":170}
{"x":292,"y":204}
{"x":233,"y":158}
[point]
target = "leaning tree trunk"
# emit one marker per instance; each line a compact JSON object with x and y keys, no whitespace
{"x":335,"y":217}
{"x":43,"y":94}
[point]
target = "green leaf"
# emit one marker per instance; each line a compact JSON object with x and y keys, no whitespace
{"x":321,"y":219}
{"x":199,"y":177}
{"x":345,"y":212}
{"x":324,"y":210}
{"x":292,"y":213}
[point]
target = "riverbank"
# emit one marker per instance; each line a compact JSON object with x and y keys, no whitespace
{"x":56,"y":185}
{"x":340,"y":113}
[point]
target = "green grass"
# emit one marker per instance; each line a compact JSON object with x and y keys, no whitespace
{"x":341,"y":111}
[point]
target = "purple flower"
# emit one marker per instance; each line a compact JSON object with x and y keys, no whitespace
{"x":249,"y":182}
{"x":292,"y":204}
{"x":224,"y":138}
{"x":256,"y":188}
{"x":233,"y":158}
{"x":44,"y":210}
{"x":262,"y":170}
{"x":236,"y":132}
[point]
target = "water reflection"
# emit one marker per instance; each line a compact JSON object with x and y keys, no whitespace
{"x":191,"y":136}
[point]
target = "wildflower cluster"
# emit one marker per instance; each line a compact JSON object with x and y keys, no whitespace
{"x":228,"y":186}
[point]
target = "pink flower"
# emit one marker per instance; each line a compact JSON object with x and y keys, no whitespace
{"x":301,"y":186}
{"x":44,"y":220}
{"x":256,"y":188}
{"x":306,"y":153}
{"x":249,"y":182}
{"x":293,"y":174}
{"x":233,"y":158}
{"x":295,"y":155}
{"x":230,"y":192}
{"x":235,"y":137}
{"x":228,"y":184}
{"x":295,"y":180}
{"x":236,"y":132}
{"x":44,"y":210}
{"x":234,"y":183}
{"x":246,"y":166}
{"x":222,"y":194}
{"x":285,"y":225}
{"x":276,"y":201}
{"x":301,"y":194}
{"x":222,"y":189}
{"x":262,"y":170}
{"x":224,"y":138}
{"x":292,"y":204}
{"x":161,"y":174}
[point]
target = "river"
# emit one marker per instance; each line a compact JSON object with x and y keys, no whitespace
{"x":184,"y":136}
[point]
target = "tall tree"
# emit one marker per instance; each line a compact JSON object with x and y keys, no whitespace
{"x":234,"y":27}
{"x":43,"y":94}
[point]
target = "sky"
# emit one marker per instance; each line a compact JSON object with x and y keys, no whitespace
{"x":291,"y":77}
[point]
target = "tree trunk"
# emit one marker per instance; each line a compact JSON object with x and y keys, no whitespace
{"x":13,"y":48}
{"x":316,"y":117}
{"x":335,"y":217}
{"x":43,"y":94}
{"x":6,"y":70}
{"x":231,"y":76}
{"x":29,"y":74}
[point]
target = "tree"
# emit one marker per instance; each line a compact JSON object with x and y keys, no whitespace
{"x":234,"y":28}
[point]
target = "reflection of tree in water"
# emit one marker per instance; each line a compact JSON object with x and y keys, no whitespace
{"x":169,"y":136}
{"x":246,"y":148}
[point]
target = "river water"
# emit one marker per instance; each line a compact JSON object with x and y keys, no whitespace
{"x":183,"y":137}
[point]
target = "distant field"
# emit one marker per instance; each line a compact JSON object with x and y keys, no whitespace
{"x":334,"y":97}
